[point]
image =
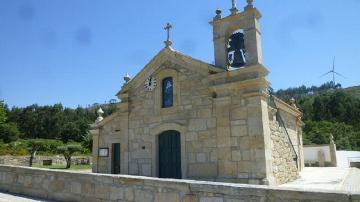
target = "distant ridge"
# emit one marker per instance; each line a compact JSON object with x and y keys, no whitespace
{"x":303,"y":91}
{"x":354,"y":90}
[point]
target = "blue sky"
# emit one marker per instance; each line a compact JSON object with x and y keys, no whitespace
{"x":76,"y":52}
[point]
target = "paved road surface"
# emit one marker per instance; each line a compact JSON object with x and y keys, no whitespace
{"x":6,"y":197}
{"x":327,"y":178}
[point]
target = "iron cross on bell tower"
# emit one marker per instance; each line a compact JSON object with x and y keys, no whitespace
{"x":168,"y":43}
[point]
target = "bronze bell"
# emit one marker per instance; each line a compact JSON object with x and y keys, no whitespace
{"x":239,"y":58}
{"x":236,"y":50}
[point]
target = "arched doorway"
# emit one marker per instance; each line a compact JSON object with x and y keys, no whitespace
{"x":170,"y":155}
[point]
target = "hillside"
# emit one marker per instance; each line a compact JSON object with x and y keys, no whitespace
{"x":328,"y":110}
{"x":354,"y":90}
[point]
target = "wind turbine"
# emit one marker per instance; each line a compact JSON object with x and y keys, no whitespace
{"x":333,"y":72}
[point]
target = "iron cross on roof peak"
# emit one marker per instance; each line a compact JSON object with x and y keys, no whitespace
{"x":168,"y":43}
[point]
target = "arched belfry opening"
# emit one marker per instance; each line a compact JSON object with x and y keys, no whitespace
{"x":237,"y":37}
{"x":236,"y":52}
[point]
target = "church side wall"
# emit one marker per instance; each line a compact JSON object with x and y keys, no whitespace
{"x":115,"y":131}
{"x":295,"y":132}
{"x":285,"y":169}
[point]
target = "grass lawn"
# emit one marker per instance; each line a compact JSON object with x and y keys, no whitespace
{"x":63,"y":167}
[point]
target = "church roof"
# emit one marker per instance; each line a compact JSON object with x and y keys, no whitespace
{"x":169,"y":54}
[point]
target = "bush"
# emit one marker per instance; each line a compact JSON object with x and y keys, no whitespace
{"x":87,"y":143}
{"x":346,"y":136}
{"x":17,"y":148}
{"x":48,"y":147}
{"x":9,"y":132}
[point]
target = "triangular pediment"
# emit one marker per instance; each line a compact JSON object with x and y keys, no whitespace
{"x":169,"y":55}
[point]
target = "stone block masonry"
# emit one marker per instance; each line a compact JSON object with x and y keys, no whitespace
{"x":56,"y":160}
{"x":70,"y":186}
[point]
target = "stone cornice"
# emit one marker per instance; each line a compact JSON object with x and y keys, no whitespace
{"x":279,"y":103}
{"x":225,"y":100}
{"x":258,"y":68}
{"x":174,"y":57}
{"x":287,"y":108}
{"x":106,"y":120}
{"x":190,"y":59}
{"x":123,"y":96}
{"x":142,"y":72}
{"x":123,"y":106}
{"x":261,"y":93}
{"x":250,"y":12}
{"x":237,"y":85}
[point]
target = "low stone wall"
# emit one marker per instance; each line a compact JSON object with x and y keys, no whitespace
{"x":57,"y":160}
{"x":71,"y":186}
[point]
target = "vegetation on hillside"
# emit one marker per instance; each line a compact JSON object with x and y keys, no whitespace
{"x":328,"y":109}
{"x":50,"y":125}
{"x":355,"y":91}
{"x":8,"y":130}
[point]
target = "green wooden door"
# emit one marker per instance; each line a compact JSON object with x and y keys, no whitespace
{"x":116,"y":159}
{"x":169,"y":155}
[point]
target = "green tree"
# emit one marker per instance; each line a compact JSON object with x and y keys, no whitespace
{"x":328,"y":109}
{"x":56,"y":121}
{"x":306,"y":107}
{"x":9,"y":132}
{"x":87,"y":141}
{"x":35,"y":145}
{"x":2,"y":112}
{"x":319,"y":109}
{"x":345,"y":136}
{"x":70,"y":131}
{"x":68,"y":151}
{"x":84,"y":127}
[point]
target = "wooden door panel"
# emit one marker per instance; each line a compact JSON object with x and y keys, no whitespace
{"x":116,"y":159}
{"x":169,"y":155}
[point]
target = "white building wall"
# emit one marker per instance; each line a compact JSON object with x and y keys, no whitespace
{"x":345,"y":157}
{"x":311,"y":153}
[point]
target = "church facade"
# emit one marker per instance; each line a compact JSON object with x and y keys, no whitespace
{"x":183,"y":118}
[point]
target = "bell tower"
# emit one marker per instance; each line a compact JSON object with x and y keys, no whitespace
{"x":237,"y":37}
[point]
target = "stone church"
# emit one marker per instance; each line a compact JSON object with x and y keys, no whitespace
{"x":183,"y":118}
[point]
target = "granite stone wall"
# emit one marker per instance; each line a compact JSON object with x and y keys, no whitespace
{"x":283,"y":165}
{"x":222,"y":119}
{"x":57,"y":160}
{"x":69,"y":186}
